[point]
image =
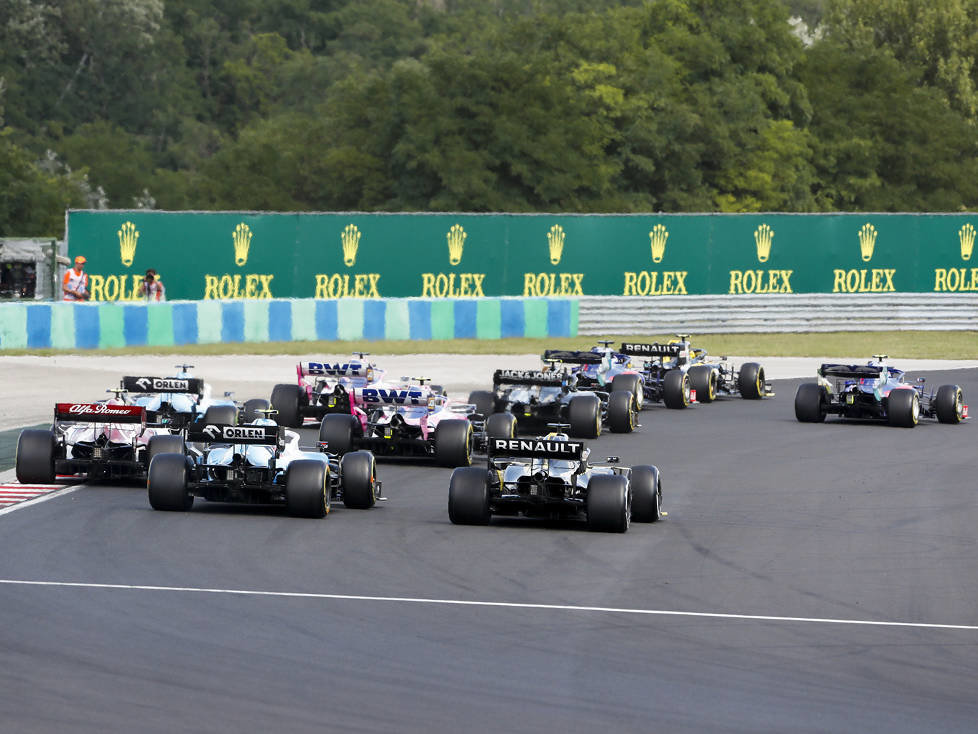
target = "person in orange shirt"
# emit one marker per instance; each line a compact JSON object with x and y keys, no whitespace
{"x":75,"y":283}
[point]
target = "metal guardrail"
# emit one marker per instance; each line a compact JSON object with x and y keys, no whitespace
{"x":779,"y":313}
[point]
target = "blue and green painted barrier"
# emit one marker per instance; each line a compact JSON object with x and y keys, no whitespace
{"x":103,"y":325}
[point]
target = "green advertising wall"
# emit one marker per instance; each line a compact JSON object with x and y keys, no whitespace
{"x":222,"y":255}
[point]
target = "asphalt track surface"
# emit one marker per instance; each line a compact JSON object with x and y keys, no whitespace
{"x":808,"y":578}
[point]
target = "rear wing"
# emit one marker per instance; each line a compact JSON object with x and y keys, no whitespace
{"x":226,"y":433}
{"x":572,"y":357}
{"x":143,"y":384}
{"x":651,"y":350}
{"x":99,"y":413}
{"x":551,"y":378}
{"x":335,"y":369}
{"x":851,"y":371}
{"x":535,"y":448}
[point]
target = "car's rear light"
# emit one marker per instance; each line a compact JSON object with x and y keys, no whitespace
{"x":964,"y":411}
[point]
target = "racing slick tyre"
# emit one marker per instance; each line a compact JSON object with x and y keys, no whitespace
{"x":621,"y":413}
{"x":484,"y":402}
{"x":675,"y":389}
{"x":307,"y":488}
{"x":221,"y":414}
{"x":810,"y":403}
{"x":903,"y":407}
{"x":584,"y":416}
{"x":468,"y":497}
{"x":286,"y":399}
{"x":453,"y":443}
{"x":167,"y":483}
{"x":608,"y":503}
{"x":249,"y":413}
{"x":949,"y":404}
{"x":501,"y":425}
{"x":646,"y":494}
{"x":35,"y":457}
{"x":358,"y":471}
{"x":164,"y":445}
{"x":633,"y":384}
{"x":337,"y":431}
{"x":750,"y":381}
{"x":703,"y":379}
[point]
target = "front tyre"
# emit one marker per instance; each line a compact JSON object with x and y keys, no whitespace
{"x":646,"y":494}
{"x":501,"y":425}
{"x":621,"y":416}
{"x":337,"y":432}
{"x":608,"y":504}
{"x":632,"y":383}
{"x":484,"y":401}
{"x":166,"y":484}
{"x":286,"y":399}
{"x":584,"y":416}
{"x":750,"y":381}
{"x":675,"y":389}
{"x":949,"y":404}
{"x":358,"y":470}
{"x":703,"y":379}
{"x":307,"y":488}
{"x":903,"y":407}
{"x":252,"y":409}
{"x":35,"y":456}
{"x":810,"y":403}
{"x":226,"y":415}
{"x":453,"y":443}
{"x":164,"y":444}
{"x":468,"y":497}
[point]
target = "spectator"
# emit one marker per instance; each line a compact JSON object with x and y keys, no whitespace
{"x":152,"y":287}
{"x":75,"y":283}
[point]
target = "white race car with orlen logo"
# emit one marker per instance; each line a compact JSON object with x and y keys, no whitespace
{"x":182,"y":399}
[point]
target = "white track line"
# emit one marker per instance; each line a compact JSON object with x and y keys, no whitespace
{"x":43,"y":498}
{"x":508,"y":605}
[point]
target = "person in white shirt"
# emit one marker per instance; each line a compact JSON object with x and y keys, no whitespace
{"x":75,"y":283}
{"x":152,"y":288}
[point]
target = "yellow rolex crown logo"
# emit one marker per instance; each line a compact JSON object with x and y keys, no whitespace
{"x":658,"y":235}
{"x":351,"y":241}
{"x":867,"y":241}
{"x":763,"y":237}
{"x":456,"y":241}
{"x":967,"y":236}
{"x":128,"y":238}
{"x":242,"y":241}
{"x":555,"y":240}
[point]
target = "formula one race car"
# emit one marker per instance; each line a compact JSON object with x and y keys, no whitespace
{"x":877,"y":391}
{"x":180,"y":400}
{"x":614,"y":371}
{"x":550,"y":477}
{"x":405,"y":419}
{"x":323,"y":388}
{"x":677,"y":374}
{"x":260,"y":463}
{"x":103,"y":440}
{"x":527,"y":401}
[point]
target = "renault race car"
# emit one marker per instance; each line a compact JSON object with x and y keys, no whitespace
{"x":323,"y":388}
{"x":678,"y":374}
{"x":527,"y":401}
{"x":550,"y":477}
{"x":407,"y":419}
{"x":260,"y":463}
{"x":876,"y":390}
{"x":103,"y":440}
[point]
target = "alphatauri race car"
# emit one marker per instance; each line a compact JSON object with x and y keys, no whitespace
{"x":678,"y":374}
{"x":260,"y":463}
{"x":877,"y":391}
{"x":527,"y":401}
{"x":550,"y":477}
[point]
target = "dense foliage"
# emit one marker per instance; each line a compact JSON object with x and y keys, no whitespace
{"x":486,"y":105}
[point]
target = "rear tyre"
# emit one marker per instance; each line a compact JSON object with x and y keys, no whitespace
{"x":249,"y":413}
{"x":221,"y":415}
{"x":621,"y":416}
{"x":750,"y":381}
{"x":675,"y":389}
{"x":358,"y":470}
{"x":810,"y":403}
{"x":468,"y":497}
{"x":484,"y":401}
{"x":903,"y":407}
{"x":608,"y":504}
{"x":167,"y":483}
{"x":584,"y":416}
{"x":286,"y":399}
{"x":949,"y":404}
{"x":703,"y":379}
{"x":453,"y":443}
{"x":501,"y":425}
{"x":633,"y":384}
{"x":307,"y":488}
{"x":338,"y":431}
{"x":646,"y":494}
{"x":164,"y":445}
{"x":35,"y":456}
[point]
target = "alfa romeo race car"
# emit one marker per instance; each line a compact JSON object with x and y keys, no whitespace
{"x":527,"y":401}
{"x":323,"y":388}
{"x":550,"y":477}
{"x":405,"y":419}
{"x":259,"y":463}
{"x":877,"y":391}
{"x":678,"y":374}
{"x":103,"y":440}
